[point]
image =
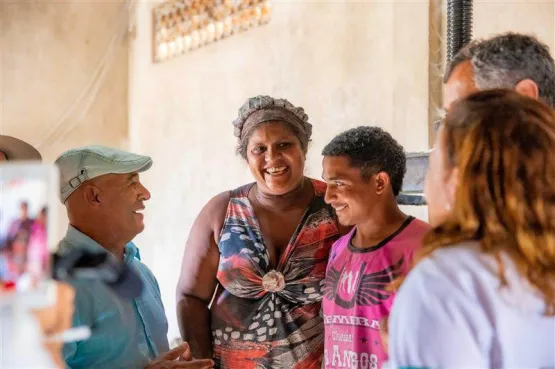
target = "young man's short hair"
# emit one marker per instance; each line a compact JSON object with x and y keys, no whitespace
{"x":372,"y":150}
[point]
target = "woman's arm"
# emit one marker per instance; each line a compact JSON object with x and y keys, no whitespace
{"x":197,"y":281}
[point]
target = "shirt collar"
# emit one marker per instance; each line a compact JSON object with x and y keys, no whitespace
{"x":76,"y":238}
{"x":131,"y":252}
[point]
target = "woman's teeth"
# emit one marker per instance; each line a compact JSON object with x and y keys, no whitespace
{"x":276,"y":170}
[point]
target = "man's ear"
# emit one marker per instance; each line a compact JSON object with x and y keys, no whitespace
{"x":528,"y":88}
{"x":382,"y":182}
{"x":91,"y":193}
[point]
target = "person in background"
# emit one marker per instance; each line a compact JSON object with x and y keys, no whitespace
{"x":105,"y":200}
{"x":483,"y":292}
{"x":23,"y":333}
{"x":509,"y":60}
{"x":19,"y":229}
{"x":37,"y":248}
{"x":261,"y":250}
{"x":15,"y":150}
{"x":12,"y":149}
{"x":364,"y":169}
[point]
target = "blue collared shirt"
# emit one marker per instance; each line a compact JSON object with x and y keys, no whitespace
{"x":125,"y":333}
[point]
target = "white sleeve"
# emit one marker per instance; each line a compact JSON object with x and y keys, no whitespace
{"x":435,"y":323}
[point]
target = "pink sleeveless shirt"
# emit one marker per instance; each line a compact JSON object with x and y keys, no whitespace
{"x":355,"y":298}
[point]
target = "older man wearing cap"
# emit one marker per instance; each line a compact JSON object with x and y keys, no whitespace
{"x":104,"y":198}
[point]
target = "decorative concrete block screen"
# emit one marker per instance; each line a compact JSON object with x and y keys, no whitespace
{"x":182,"y":26}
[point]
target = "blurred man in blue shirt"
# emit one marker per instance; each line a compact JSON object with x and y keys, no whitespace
{"x":104,"y":198}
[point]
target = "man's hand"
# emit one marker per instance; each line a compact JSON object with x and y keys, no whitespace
{"x":180,"y":357}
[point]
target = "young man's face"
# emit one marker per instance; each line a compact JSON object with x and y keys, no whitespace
{"x":351,"y":196}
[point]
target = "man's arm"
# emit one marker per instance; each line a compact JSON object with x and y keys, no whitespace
{"x":197,"y":281}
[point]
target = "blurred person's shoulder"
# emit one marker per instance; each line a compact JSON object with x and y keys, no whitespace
{"x":466,"y":270}
{"x":420,"y":225}
{"x":456,"y":264}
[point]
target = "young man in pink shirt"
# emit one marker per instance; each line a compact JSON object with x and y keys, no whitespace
{"x":364,"y":169}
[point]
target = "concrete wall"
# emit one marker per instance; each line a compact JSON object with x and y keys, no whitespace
{"x":346,"y":63}
{"x":528,"y":16}
{"x":64,"y":74}
{"x":50,"y":52}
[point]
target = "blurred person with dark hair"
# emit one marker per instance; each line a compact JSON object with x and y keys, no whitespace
{"x":482,"y":294}
{"x":37,"y":248}
{"x":21,"y":227}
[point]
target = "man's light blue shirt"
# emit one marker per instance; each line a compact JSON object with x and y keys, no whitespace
{"x":125,"y":333}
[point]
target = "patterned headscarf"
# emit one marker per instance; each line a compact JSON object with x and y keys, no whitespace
{"x":262,"y":109}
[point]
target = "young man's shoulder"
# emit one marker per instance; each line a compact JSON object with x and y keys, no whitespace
{"x":420,"y":224}
{"x":410,"y":238}
{"x":340,"y":245}
{"x":417,"y":228}
{"x":343,"y":241}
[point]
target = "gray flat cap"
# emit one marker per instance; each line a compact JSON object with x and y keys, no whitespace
{"x":88,"y":162}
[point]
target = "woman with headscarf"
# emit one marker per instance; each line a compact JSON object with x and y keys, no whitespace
{"x":483,"y":293}
{"x":260,"y":252}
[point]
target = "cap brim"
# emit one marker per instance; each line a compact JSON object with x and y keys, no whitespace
{"x":16,"y":149}
{"x":141,"y":165}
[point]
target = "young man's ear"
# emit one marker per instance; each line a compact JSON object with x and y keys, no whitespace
{"x":382,"y":182}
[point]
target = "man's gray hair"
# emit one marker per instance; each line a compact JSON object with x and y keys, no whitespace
{"x":504,"y":60}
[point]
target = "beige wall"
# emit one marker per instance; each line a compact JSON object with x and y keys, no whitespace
{"x":529,"y":16}
{"x":347,"y":64}
{"x":50,"y":52}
